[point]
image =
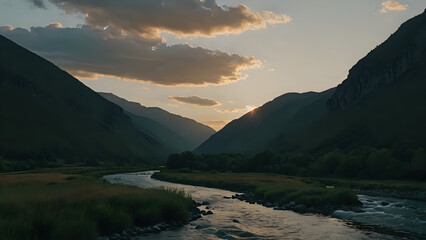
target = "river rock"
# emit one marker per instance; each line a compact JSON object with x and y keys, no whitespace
{"x":357,"y":209}
{"x":156,"y":228}
{"x":201,"y":226}
{"x":129,"y":232}
{"x":268,"y":204}
{"x":299,"y":208}
{"x":412,"y":195}
{"x":138,"y":230}
{"x":103,"y":238}
{"x":115,"y":236}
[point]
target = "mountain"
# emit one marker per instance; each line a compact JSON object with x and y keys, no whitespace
{"x":381,"y":103}
{"x":263,"y":127}
{"x":46,"y":114}
{"x":172,"y":141}
{"x":179,"y":133}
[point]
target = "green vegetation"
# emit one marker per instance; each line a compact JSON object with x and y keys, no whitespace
{"x":95,"y":172}
{"x":69,"y":206}
{"x":88,"y":167}
{"x":268,"y":187}
{"x":361,"y":163}
{"x":397,"y":185}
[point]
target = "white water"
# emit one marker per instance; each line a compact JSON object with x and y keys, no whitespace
{"x":255,"y":221}
{"x":405,"y":216}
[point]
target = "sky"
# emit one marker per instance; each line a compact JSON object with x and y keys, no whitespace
{"x":209,"y":60}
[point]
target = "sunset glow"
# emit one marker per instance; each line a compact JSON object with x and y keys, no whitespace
{"x":235,"y":55}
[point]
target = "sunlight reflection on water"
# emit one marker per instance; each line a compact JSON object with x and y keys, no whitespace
{"x":252,"y":221}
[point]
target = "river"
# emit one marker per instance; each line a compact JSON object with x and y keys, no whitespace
{"x":384,"y":218}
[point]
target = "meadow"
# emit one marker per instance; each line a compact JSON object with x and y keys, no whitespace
{"x":79,"y":206}
{"x":267,"y":187}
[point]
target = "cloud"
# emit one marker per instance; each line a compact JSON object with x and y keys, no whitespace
{"x":88,"y":53}
{"x":149,"y":18}
{"x":231,"y":110}
{"x":38,"y":3}
{"x":273,"y":18}
{"x":236,"y":110}
{"x":215,"y":124}
{"x":122,"y":38}
{"x":54,"y":25}
{"x":392,"y":6}
{"x":197,"y":101}
{"x":6,"y":28}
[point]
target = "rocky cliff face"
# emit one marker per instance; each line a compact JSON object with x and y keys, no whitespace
{"x":404,"y":50}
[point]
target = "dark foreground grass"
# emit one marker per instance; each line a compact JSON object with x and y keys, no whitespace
{"x":268,"y":187}
{"x":64,"y":206}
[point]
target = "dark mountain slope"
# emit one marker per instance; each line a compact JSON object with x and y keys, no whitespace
{"x":46,"y":114}
{"x":382,"y":103}
{"x":265,"y":126}
{"x":192,"y":132}
{"x":172,"y":141}
{"x":402,"y":52}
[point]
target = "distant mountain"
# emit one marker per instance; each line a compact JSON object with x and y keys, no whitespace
{"x":46,"y":114}
{"x":265,"y":126}
{"x":381,"y":103}
{"x":172,"y":141}
{"x":176,"y":132}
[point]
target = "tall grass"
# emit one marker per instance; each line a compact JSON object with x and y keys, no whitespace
{"x":268,"y":187}
{"x":79,"y":207}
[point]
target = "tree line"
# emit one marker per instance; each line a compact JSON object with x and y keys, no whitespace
{"x":363,"y":163}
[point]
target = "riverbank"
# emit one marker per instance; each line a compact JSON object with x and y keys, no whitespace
{"x":411,"y":190}
{"x":275,"y":191}
{"x":58,"y":205}
{"x":304,"y":195}
{"x":135,"y":231}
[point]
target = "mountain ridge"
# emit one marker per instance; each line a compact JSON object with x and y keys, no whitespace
{"x":256,"y":124}
{"x":46,"y":114}
{"x":190,"y":132}
{"x":380,"y":104}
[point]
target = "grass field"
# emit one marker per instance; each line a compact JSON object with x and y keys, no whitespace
{"x":95,"y":172}
{"x":78,"y":206}
{"x":268,"y":187}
